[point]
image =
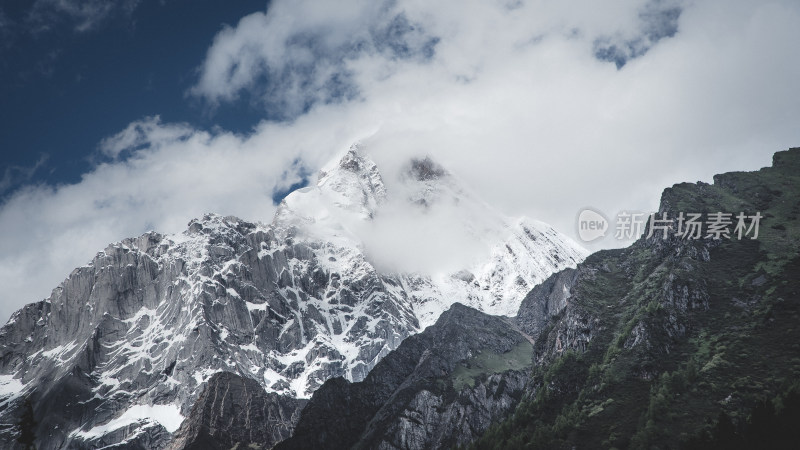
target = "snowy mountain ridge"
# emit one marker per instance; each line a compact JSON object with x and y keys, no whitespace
{"x":122,"y":348}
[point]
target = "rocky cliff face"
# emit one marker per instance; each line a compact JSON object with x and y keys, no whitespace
{"x":546,"y":300}
{"x":440,"y":388}
{"x":233,"y":410}
{"x":649,"y":346}
{"x":121,"y":351}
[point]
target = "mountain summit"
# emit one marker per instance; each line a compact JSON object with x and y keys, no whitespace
{"x":124,"y":348}
{"x":672,"y":342}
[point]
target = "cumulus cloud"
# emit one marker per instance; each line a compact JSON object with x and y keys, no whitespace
{"x":516,"y":98}
{"x":297,"y":53}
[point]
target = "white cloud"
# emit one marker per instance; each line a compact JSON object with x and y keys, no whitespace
{"x":16,"y":175}
{"x":173,"y":173}
{"x":512,"y":99}
{"x":297,"y":52}
{"x":149,"y":132}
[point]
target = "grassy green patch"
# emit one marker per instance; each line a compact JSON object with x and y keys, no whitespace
{"x":488,"y":363}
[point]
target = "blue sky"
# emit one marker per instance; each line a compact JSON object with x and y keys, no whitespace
{"x":121,"y":117}
{"x":64,"y":88}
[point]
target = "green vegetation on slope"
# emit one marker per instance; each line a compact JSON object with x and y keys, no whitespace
{"x":688,"y":331}
{"x":488,"y":363}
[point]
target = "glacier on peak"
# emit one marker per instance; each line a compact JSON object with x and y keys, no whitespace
{"x":422,"y":225}
{"x":347,"y":269}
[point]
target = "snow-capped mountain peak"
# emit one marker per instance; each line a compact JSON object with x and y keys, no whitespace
{"x":347,"y":192}
{"x":348,"y":268}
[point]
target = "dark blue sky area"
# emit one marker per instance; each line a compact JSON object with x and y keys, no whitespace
{"x":63,"y":90}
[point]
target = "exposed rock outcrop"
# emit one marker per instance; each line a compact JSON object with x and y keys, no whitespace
{"x":440,"y":388}
{"x":234,"y":410}
{"x":123,"y":348}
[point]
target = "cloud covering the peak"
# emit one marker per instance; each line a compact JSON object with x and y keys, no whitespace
{"x":541,"y":108}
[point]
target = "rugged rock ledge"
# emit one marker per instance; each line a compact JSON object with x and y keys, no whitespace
{"x":234,"y":410}
{"x":440,"y":388}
